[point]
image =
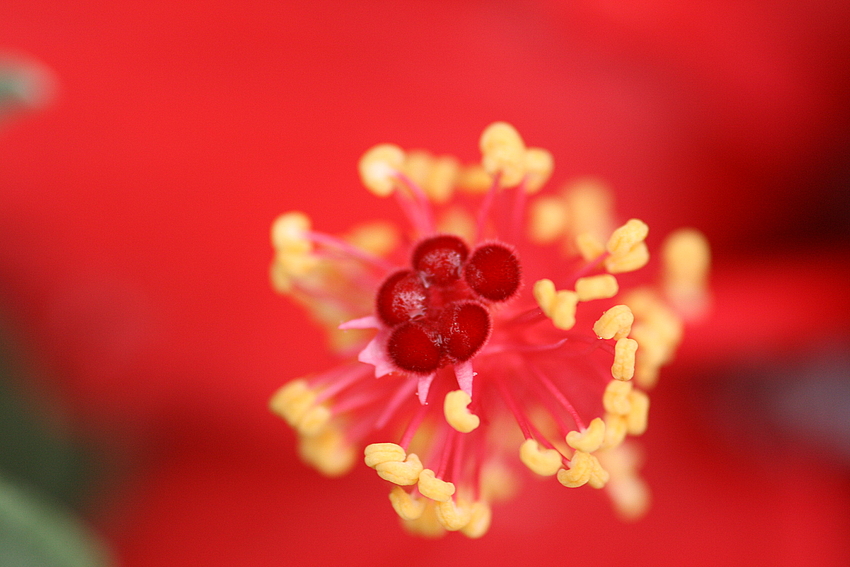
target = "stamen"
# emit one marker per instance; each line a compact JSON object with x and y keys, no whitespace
{"x":590,"y":439}
{"x":329,"y":452}
{"x":457,"y":413}
{"x":616,"y":397}
{"x":503,"y":153}
{"x":603,"y":286}
{"x":453,"y":515}
{"x":407,"y":507}
{"x":379,"y":168}
{"x":479,"y":521}
{"x":434,"y":488}
{"x":624,"y":359}
{"x":636,"y":419}
{"x":545,"y":462}
{"x":616,"y":323}
{"x":538,"y":169}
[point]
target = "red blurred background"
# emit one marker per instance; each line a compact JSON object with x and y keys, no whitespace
{"x":134,"y":254}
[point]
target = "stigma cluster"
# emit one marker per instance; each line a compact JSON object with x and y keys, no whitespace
{"x":490,"y":339}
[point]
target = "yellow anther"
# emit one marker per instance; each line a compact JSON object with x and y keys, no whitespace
{"x":582,"y":466}
{"x":453,"y":515}
{"x":538,"y":168}
{"x":687,"y":257}
{"x":442,"y":178}
{"x":503,"y":153}
{"x":624,"y":359}
{"x":280,"y":278}
{"x":456,"y":411}
{"x":292,"y":401}
{"x":634,"y":259}
{"x":403,"y":474}
{"x":616,"y":429}
{"x":427,"y":524}
{"x":329,"y":452}
{"x":564,"y":310}
{"x":590,"y":203}
{"x":627,"y":237}
{"x":590,"y":439}
{"x":479,"y":521}
{"x":637,"y":417}
{"x":544,"y":294}
{"x":597,"y":287}
{"x":407,"y":507}
{"x":544,"y":462}
{"x":378,"y":453}
{"x":313,"y":420}
{"x":434,"y":488}
{"x":288,"y":233}
{"x":457,"y":221}
{"x":589,"y":246}
{"x":417,"y":166}
{"x":474,"y":179}
{"x":598,"y":476}
{"x":615,"y":323}
{"x":498,"y":481}
{"x":628,"y":491}
{"x":616,"y":397}
{"x":378,"y":238}
{"x":548,"y":219}
{"x":379,"y":167}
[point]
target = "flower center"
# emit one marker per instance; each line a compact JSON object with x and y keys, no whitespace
{"x":438,"y":311}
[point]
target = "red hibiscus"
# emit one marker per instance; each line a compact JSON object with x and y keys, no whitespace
{"x":134,"y":249}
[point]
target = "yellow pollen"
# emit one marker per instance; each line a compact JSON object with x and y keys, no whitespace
{"x":417,"y":165}
{"x":637,"y":417}
{"x":455,"y":220}
{"x":538,"y":168}
{"x":453,"y":515}
{"x":313,"y":420}
{"x":616,"y":323}
{"x":503,"y":152}
{"x":686,"y":258}
{"x":544,"y":294}
{"x":407,"y":507}
{"x":378,"y":453}
{"x":616,"y":397}
{"x":403,"y":474}
{"x":288,"y":232}
{"x":442,"y":178}
{"x":539,"y":460}
{"x":588,"y":440}
{"x":634,"y":259}
{"x":624,"y":359}
{"x":590,"y":203}
{"x":589,"y":246}
{"x":292,"y":401}
{"x":564,"y":310}
{"x":479,"y":521}
{"x":597,"y":287}
{"x":427,"y":524}
{"x":329,"y":452}
{"x":379,"y":167}
{"x":599,"y":477}
{"x":548,"y":219}
{"x":378,"y":238}
{"x":616,"y":429}
{"x":628,"y":491}
{"x":584,"y":468}
{"x":434,"y":488}
{"x":474,"y":179}
{"x":627,"y":237}
{"x":456,"y":411}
